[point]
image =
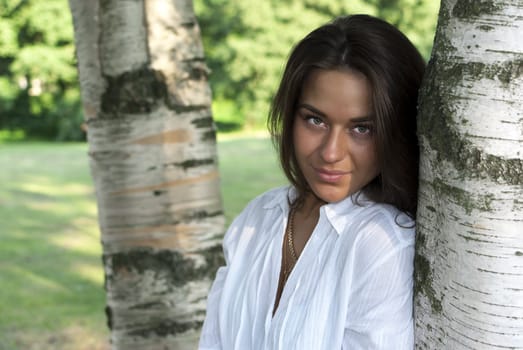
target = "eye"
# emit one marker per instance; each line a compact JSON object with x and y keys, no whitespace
{"x":362,"y":130}
{"x":314,"y":120}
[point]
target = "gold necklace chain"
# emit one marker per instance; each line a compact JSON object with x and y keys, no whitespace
{"x":289,"y":265}
{"x":290,"y":236}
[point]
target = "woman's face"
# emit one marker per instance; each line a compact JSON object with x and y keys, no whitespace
{"x":333,"y":133}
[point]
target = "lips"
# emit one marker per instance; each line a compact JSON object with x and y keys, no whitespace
{"x":331,"y":176}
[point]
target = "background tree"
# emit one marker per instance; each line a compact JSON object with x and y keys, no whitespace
{"x":247,"y":43}
{"x":153,"y":159}
{"x":469,"y":264}
{"x":38,"y":83}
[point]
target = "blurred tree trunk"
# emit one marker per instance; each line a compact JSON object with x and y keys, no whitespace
{"x":469,"y":263}
{"x":153,"y":159}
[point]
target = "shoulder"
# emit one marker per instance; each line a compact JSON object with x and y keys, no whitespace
{"x":380,"y":234}
{"x":371,"y":220}
{"x":258,"y":210}
{"x":371,"y":231}
{"x":358,"y":217}
{"x":276,"y":197}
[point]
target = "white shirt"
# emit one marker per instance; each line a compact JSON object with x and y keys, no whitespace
{"x":351,"y":287}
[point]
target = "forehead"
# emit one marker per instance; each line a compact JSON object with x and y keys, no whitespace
{"x":337,"y":93}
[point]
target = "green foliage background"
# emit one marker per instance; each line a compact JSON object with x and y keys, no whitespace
{"x":246,"y":46}
{"x":247,"y":43}
{"x":38,"y":82}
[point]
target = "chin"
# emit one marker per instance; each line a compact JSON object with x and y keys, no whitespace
{"x":331,"y":196}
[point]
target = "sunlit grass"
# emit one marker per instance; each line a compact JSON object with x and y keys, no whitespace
{"x":51,"y":274}
{"x":50,"y":257}
{"x":89,"y":272}
{"x":248,"y":167}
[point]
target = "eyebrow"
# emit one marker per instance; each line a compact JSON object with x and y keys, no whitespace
{"x":366,"y":118}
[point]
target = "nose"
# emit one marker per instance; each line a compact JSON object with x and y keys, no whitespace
{"x":333,"y":148}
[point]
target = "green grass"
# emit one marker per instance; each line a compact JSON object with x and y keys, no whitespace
{"x":248,"y":167}
{"x":51,"y":276}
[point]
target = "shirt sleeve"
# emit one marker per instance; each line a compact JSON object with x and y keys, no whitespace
{"x":380,"y":307}
{"x":210,"y":334}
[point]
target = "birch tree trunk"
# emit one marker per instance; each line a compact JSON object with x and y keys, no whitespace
{"x":153,"y":161}
{"x":469,"y":263}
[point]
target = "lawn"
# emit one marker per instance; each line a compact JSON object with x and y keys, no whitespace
{"x":51,"y":277}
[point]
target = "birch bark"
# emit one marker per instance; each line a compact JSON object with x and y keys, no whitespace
{"x":153,"y":160}
{"x":469,"y":263}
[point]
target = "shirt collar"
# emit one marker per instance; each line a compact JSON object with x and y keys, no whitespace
{"x":338,"y":214}
{"x":281,"y":198}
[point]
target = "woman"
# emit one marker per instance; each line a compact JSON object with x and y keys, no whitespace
{"x":327,"y":262}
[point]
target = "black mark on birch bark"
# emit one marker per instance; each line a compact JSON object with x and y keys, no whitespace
{"x":192,"y":163}
{"x":165,"y":327}
{"x":424,"y":280}
{"x":171,"y":266}
{"x":474,"y":8}
{"x":436,"y":123}
{"x":205,"y":122}
{"x":135,"y":92}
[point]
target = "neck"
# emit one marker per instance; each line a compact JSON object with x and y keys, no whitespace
{"x":310,"y":206}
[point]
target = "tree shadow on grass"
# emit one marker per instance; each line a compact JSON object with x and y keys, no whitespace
{"x":53,"y":296}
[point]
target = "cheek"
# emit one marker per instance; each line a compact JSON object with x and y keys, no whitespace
{"x":295,"y":135}
{"x":297,"y":145}
{"x":374,"y":163}
{"x":299,"y":140}
{"x":367,"y":156}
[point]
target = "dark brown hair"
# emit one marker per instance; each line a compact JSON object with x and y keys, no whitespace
{"x":394,"y":69}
